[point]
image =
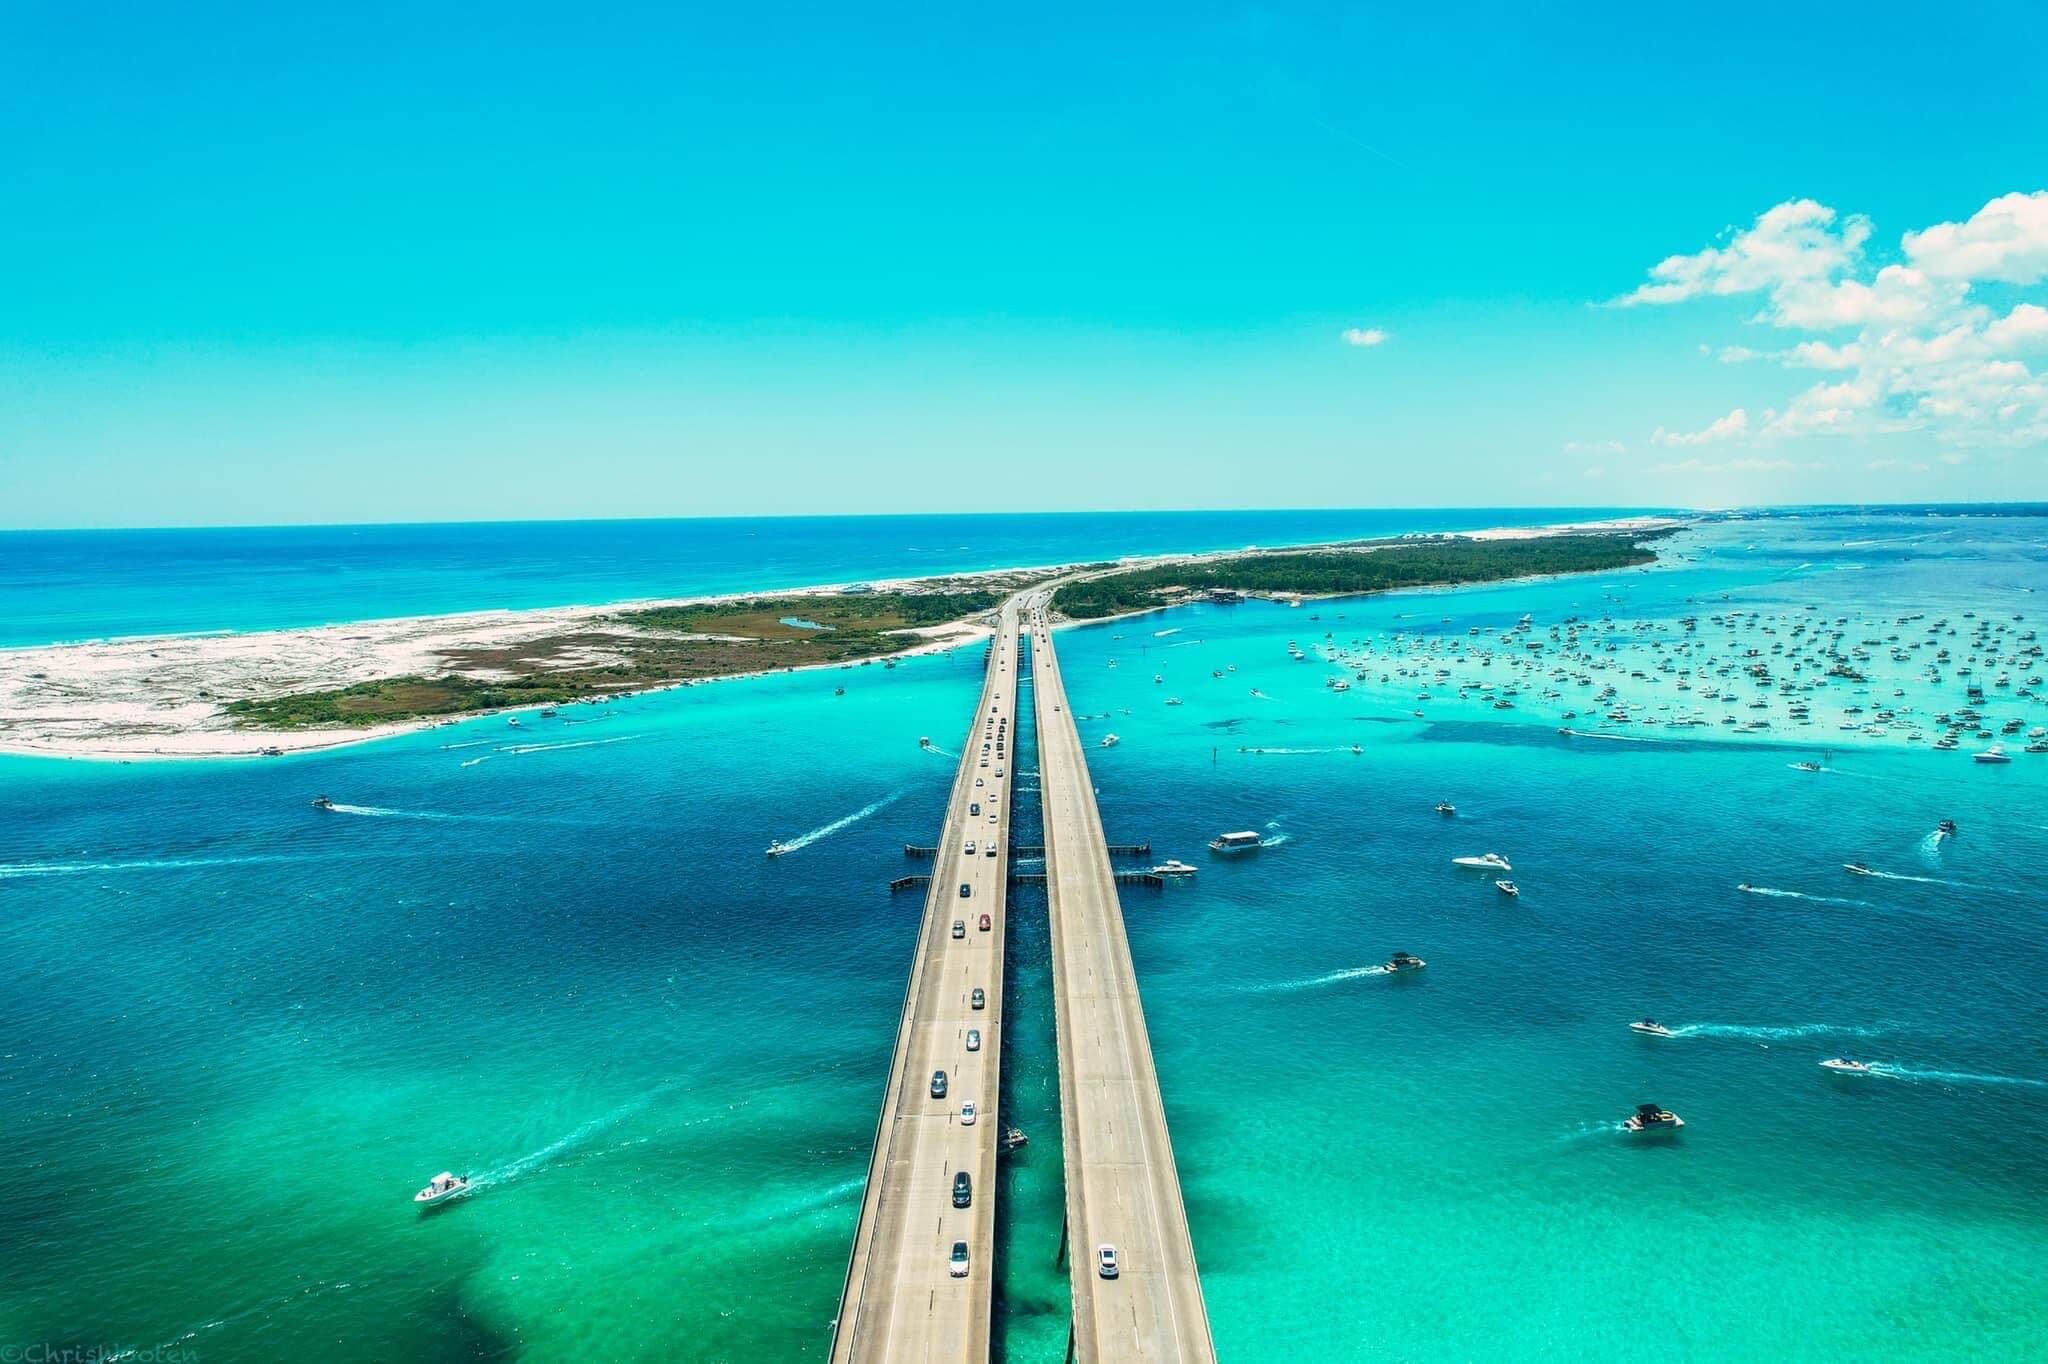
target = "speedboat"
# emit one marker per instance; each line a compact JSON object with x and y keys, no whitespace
{"x":441,"y":1188}
{"x":1401,"y":961}
{"x":1444,"y":807}
{"x":1508,"y":888}
{"x":1857,"y":869}
{"x":778,"y":848}
{"x":1649,"y":1027}
{"x":1946,"y":826}
{"x":322,"y":803}
{"x":1842,"y":1065}
{"x":1490,"y":862}
{"x":1110,"y":741}
{"x":1806,"y":767}
{"x":1650,"y":1118}
{"x":1173,"y":866}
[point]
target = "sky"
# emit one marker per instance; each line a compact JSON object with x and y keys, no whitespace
{"x":311,"y":263}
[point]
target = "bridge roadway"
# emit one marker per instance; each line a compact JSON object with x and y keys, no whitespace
{"x":1122,"y":1187}
{"x":900,"y":1301}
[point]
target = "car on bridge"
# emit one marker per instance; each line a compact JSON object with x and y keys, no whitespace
{"x":1105,"y":1262}
{"x":938,"y":1084}
{"x":963,"y":1190}
{"x":957,"y":1265}
{"x":968,"y":1113}
{"x":959,"y":928}
{"x":974,"y":1039}
{"x":965,"y":889}
{"x":979,"y":999}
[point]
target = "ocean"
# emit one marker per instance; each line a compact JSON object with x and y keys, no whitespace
{"x":58,"y":586}
{"x":236,"y":1032}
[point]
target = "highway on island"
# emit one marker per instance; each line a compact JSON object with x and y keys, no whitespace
{"x":1122,"y":1186}
{"x":902,"y":1300}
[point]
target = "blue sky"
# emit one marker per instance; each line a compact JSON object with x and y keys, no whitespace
{"x":293,"y":263}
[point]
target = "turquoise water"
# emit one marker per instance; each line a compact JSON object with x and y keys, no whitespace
{"x":239,"y":1031}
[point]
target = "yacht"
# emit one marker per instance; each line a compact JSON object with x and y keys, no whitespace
{"x":1842,"y":1065}
{"x":1857,"y":869}
{"x":1490,"y":862}
{"x":441,"y":1188}
{"x":1649,"y":1027}
{"x":1173,"y":866}
{"x":1444,"y":807}
{"x":322,"y":803}
{"x":1507,"y":888}
{"x":1993,"y":754}
{"x":1401,"y":961}
{"x":1650,"y":1118}
{"x":1236,"y":843}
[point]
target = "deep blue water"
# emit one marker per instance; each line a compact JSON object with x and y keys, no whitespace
{"x":68,"y":585}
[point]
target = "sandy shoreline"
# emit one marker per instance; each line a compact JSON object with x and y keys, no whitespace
{"x":162,"y":697}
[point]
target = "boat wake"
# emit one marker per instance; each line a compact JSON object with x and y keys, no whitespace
{"x":1783,"y":1034}
{"x":1585,"y":1131}
{"x":1280,"y":987}
{"x":513,"y":750}
{"x":1292,"y":751}
{"x":1611,"y":738}
{"x":1951,"y":1077}
{"x":534,"y":1160}
{"x":827,"y":830}
{"x":14,"y":870}
{"x":1802,"y":895}
{"x":380,"y":812}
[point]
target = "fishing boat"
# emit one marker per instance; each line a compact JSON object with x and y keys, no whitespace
{"x":778,"y":848}
{"x":322,"y":803}
{"x":441,"y":1188}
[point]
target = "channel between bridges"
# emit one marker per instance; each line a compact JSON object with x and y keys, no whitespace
{"x":902,"y":1298}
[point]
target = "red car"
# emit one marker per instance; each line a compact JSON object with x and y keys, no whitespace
{"x":985,"y":925}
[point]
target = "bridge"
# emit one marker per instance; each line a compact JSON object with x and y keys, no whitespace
{"x":1123,"y":1189}
{"x":903,"y":1299}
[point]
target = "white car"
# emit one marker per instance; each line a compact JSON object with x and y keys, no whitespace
{"x":1105,"y":1262}
{"x":974,"y":1039}
{"x":969,"y":849}
{"x":968,"y":1113}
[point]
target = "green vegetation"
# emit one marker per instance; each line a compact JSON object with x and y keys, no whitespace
{"x":633,"y":651}
{"x":1349,"y":572}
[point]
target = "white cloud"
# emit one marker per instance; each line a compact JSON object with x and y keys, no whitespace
{"x":2005,"y":241}
{"x":1594,"y":447}
{"x":1925,"y":355}
{"x":1731,"y":427}
{"x":1794,"y":242}
{"x":1363,"y":336}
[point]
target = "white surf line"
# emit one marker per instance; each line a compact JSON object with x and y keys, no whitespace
{"x":827,"y":830}
{"x":517,"y":749}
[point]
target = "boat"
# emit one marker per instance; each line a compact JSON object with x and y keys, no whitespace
{"x":1946,"y":826}
{"x":1842,"y":1065}
{"x":1013,"y":1137}
{"x":322,"y":803}
{"x":1173,"y":866}
{"x":1857,"y":869}
{"x":1490,"y":862}
{"x":1806,"y":767}
{"x":1110,"y":741}
{"x":1245,"y":841}
{"x":1444,"y":807}
{"x":836,"y":691}
{"x":1993,"y":754}
{"x":1649,"y":1027}
{"x":441,"y":1188}
{"x":1173,"y":700}
{"x":924,"y":741}
{"x":1401,"y":961}
{"x":1650,"y":1118}
{"x":1508,"y":888}
{"x":778,"y":848}
{"x":546,"y":711}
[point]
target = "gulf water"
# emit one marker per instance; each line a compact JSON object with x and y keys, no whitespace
{"x":236,"y":1032}
{"x":91,"y":584}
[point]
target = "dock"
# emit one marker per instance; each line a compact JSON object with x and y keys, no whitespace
{"x":1122,"y":1186}
{"x":901,"y":1300}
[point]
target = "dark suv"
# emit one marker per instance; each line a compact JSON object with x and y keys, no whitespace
{"x":963,"y":1190}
